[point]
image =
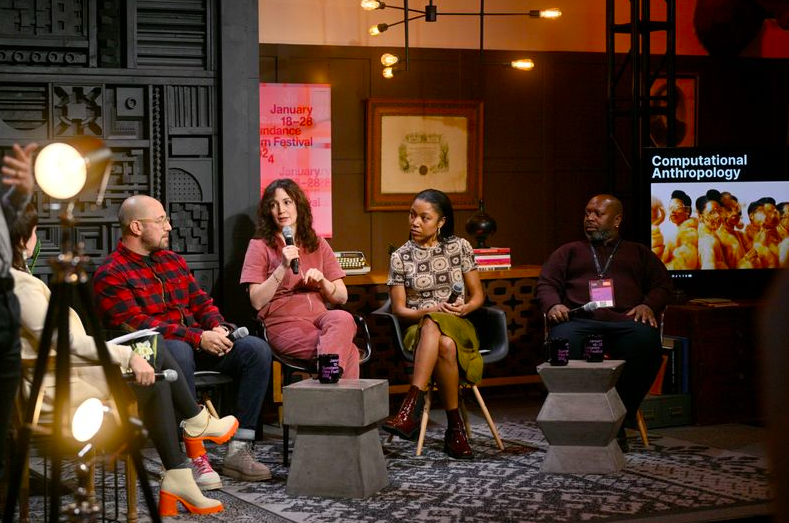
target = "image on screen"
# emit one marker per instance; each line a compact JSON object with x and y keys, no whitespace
{"x":719,"y":209}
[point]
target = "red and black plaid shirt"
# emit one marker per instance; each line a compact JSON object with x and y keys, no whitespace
{"x":136,"y":292}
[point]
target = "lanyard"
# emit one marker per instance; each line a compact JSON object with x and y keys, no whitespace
{"x":601,"y":272}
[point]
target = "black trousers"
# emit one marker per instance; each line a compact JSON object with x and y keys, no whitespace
{"x":10,"y":364}
{"x":162,"y":404}
{"x":636,"y":343}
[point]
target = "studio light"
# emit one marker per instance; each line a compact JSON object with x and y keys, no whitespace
{"x":67,"y":173}
{"x":388,"y":72}
{"x":64,"y":170}
{"x":431,"y":14}
{"x":88,"y":419}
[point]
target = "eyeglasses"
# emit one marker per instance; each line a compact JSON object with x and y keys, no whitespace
{"x":161,"y":220}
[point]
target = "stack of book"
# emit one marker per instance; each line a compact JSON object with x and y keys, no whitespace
{"x":493,"y":258}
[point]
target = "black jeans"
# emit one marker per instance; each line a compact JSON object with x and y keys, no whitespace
{"x":636,"y":343}
{"x":159,"y":403}
{"x":10,"y":364}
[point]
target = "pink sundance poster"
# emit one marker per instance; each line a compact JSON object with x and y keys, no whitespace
{"x":295,"y":143}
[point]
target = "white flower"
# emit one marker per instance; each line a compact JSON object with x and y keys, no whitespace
{"x":144,"y":349}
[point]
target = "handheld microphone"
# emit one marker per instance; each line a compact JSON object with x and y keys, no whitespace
{"x":166,"y":375}
{"x":287,"y":233}
{"x":237,"y":334}
{"x":588,"y":307}
{"x":457,"y":290}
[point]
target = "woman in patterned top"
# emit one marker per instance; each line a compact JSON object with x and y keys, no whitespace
{"x":421,"y":275}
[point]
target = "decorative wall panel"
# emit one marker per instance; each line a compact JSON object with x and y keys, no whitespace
{"x":137,"y":74}
{"x":24,"y":111}
{"x":189,"y":107}
{"x":126,"y":113}
{"x":172,"y":33}
{"x":78,"y":110}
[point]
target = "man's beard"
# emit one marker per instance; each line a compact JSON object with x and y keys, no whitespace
{"x":600,"y":235}
{"x":161,"y":245}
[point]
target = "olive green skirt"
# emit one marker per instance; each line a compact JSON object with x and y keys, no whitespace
{"x":462,"y":333}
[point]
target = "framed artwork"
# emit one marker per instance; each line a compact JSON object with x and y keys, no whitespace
{"x":414,"y":145}
{"x":686,"y":113}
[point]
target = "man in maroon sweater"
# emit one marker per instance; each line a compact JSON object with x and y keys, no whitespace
{"x":628,"y":282}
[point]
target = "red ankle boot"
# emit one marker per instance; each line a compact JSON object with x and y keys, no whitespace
{"x":406,"y":423}
{"x":455,"y":442}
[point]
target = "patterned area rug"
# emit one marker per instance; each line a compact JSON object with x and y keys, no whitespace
{"x":671,"y":481}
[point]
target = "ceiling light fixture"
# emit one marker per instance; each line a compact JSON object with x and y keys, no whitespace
{"x":430,"y":14}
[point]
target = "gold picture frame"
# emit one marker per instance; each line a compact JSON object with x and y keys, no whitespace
{"x":414,"y":145}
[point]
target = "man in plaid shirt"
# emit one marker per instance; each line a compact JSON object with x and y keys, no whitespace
{"x":143,"y":285}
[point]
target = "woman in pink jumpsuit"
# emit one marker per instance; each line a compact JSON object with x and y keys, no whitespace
{"x":292,"y":304}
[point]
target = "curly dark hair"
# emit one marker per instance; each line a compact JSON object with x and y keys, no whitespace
{"x":20,"y":232}
{"x":267,"y":230}
{"x":443,"y":206}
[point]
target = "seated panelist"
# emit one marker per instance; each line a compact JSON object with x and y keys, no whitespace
{"x":158,"y":401}
{"x":144,"y":285}
{"x":445,"y":343}
{"x":630,"y":285}
{"x":290,"y":273}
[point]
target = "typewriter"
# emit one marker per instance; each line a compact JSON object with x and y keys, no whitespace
{"x":352,"y":262}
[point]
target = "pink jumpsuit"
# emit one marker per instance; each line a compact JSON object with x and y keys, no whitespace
{"x":297,"y":321}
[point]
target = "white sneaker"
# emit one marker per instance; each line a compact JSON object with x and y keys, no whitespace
{"x":240,"y":464}
{"x":205,"y":476}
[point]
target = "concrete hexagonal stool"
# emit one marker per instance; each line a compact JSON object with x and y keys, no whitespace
{"x":581,"y":416}
{"x":338,"y":450}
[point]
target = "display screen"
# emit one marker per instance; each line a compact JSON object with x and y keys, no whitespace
{"x":719,"y":209}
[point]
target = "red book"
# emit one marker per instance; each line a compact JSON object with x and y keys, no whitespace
{"x":485,"y":260}
{"x":492,"y":250}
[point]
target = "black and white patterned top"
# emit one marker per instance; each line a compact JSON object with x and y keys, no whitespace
{"x":428,"y":273}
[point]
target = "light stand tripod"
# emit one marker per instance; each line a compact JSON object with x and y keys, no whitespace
{"x":69,"y":274}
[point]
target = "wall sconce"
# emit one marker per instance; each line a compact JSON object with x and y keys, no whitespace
{"x":522,"y":64}
{"x":430,"y":14}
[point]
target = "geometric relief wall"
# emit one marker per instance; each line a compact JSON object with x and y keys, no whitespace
{"x":142,"y":76}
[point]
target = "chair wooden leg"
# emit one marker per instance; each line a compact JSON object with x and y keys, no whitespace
{"x":24,"y":496}
{"x":642,"y":427}
{"x":425,"y":418}
{"x":485,"y":413}
{"x":131,"y":490}
{"x":131,"y":473}
{"x":276,"y":387}
{"x":209,"y":405}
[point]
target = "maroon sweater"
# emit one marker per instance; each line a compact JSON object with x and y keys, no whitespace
{"x":639,"y":277}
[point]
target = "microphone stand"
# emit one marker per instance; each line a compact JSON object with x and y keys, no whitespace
{"x":69,"y":274}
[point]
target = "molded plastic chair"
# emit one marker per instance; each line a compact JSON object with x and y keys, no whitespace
{"x":284,"y":368}
{"x":491,"y":326}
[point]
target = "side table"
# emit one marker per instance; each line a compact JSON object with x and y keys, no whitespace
{"x":581,"y":416}
{"x":337,"y":452}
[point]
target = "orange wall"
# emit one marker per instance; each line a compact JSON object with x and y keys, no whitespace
{"x":581,"y":27}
